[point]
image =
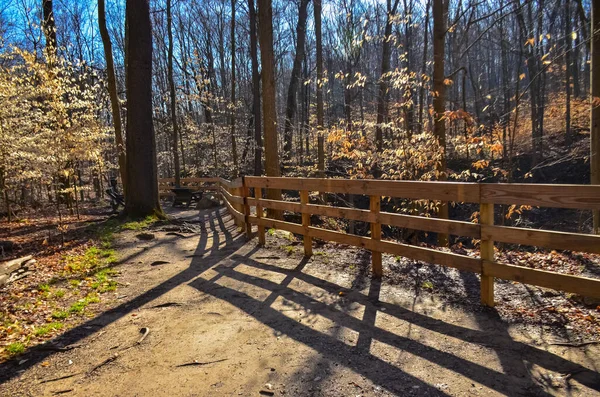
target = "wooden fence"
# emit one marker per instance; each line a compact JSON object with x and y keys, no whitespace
{"x":166,"y":184}
{"x":237,"y":197}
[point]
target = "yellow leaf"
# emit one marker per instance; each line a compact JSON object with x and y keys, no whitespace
{"x":522,"y":76}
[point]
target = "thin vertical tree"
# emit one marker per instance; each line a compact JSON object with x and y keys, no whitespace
{"x":319,"y":89}
{"x":142,"y":197}
{"x":173,"y":95}
{"x":595,"y":113}
{"x":112,"y":91}
{"x":269,"y":105}
{"x":440,"y":16}
{"x":258,"y":145}
{"x":382,"y":108}
{"x":233,"y":82}
{"x":291,"y":105}
{"x":568,"y":45}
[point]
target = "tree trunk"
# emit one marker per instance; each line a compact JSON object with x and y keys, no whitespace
{"x":440,"y":15}
{"x":142,"y":198}
{"x":319,"y":89}
{"x":49,"y":27}
{"x":291,"y":105}
{"x":568,"y":45}
{"x":269,"y":106}
{"x":595,"y":113}
{"x":422,"y":92}
{"x":258,"y":148}
{"x":112,"y":91}
{"x":236,"y":170}
{"x":385,"y":68}
{"x":173,"y":97}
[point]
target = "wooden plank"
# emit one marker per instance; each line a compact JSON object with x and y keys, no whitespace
{"x":189,"y":180}
{"x":278,"y":205}
{"x":457,"y":228}
{"x":486,"y":211}
{"x":428,"y":255}
{"x":245,"y":191}
{"x":238,"y":216}
{"x":259,"y":214}
{"x":306,"y":223}
{"x":561,"y":196}
{"x":448,"y":191}
{"x":231,"y":184}
{"x":231,"y":198}
{"x":542,"y":238}
{"x":376,"y":263}
{"x":563,"y":282}
{"x":275,"y":224}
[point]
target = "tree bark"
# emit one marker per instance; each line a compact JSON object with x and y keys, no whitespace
{"x":236,"y":170}
{"x":258,"y":148}
{"x":142,"y":198}
{"x":291,"y":105}
{"x":422,"y":92}
{"x":269,"y":106}
{"x":595,"y":112}
{"x":568,"y":45}
{"x":319,"y":89}
{"x":112,"y":91}
{"x":440,"y":15}
{"x":173,"y":96}
{"x":385,"y":68}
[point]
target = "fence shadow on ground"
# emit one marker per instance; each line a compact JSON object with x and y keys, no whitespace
{"x":515,"y":358}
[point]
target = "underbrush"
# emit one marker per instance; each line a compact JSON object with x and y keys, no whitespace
{"x":80,"y":279}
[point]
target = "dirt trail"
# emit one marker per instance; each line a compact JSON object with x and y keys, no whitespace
{"x":226,"y":317}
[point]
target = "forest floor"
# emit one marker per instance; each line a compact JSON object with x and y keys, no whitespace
{"x":192,"y":308}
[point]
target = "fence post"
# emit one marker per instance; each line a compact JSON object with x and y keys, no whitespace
{"x":259,"y":214}
{"x":375,"y":207}
{"x":486,"y":213}
{"x":246,"y":193}
{"x":306,"y":224}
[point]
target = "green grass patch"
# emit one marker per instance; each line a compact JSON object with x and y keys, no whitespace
{"x":271,"y":232}
{"x":15,"y":348}
{"x":60,"y":314}
{"x":103,"y":281}
{"x":48,"y":328}
{"x":44,"y":287}
{"x":138,"y":225}
{"x":427,"y":285}
{"x":289,"y":249}
{"x":59,"y":293}
{"x":81,"y":304}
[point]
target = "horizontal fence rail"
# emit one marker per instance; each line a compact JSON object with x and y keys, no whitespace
{"x":239,"y":202}
{"x":206,"y":184}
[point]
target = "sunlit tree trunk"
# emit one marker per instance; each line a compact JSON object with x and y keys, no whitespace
{"x":269,"y":106}
{"x":173,"y":96}
{"x":319,"y":90}
{"x":440,"y":16}
{"x":112,"y":91}
{"x":142,"y":197}
{"x":385,"y":68}
{"x":233,"y":82}
{"x":258,"y":148}
{"x":422,"y":92}
{"x":595,"y":113}
{"x":291,"y":105}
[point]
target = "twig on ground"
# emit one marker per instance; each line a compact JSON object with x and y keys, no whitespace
{"x":198,"y":363}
